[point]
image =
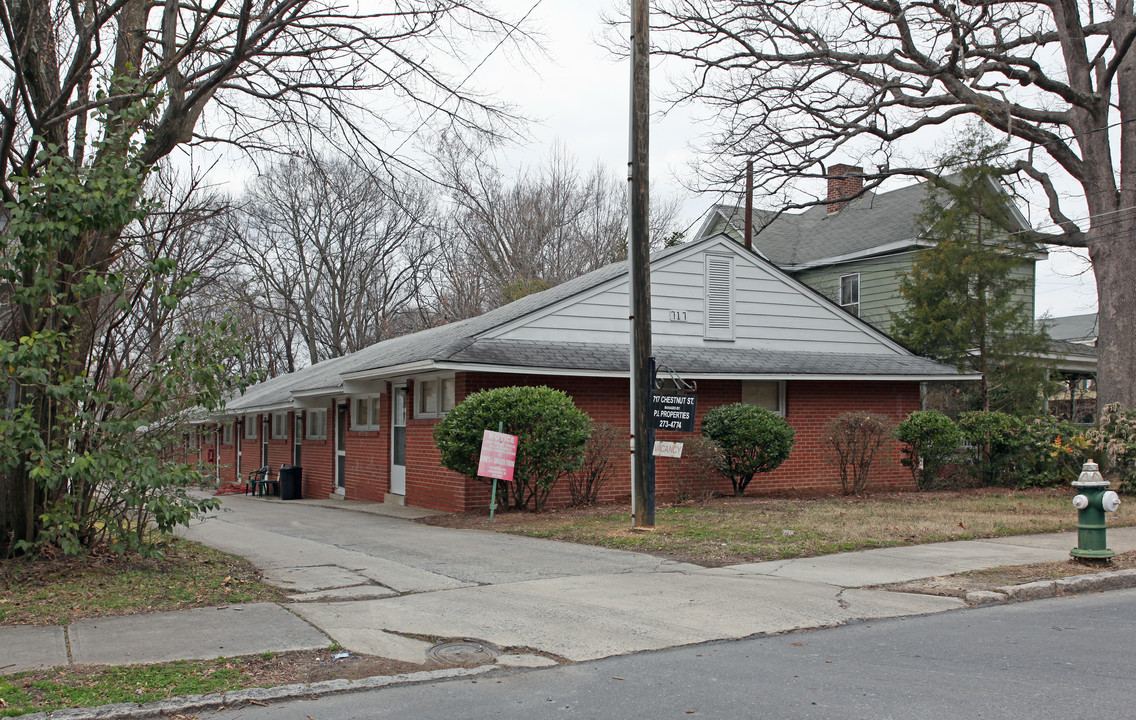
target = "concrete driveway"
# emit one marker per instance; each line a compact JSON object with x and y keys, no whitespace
{"x":370,"y":581}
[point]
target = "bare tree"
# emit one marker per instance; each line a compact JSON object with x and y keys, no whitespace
{"x":549,"y":224}
{"x":95,"y":93}
{"x":802,"y":83}
{"x":336,"y":250}
{"x":183,"y":230}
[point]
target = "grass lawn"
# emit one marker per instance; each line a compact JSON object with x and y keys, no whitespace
{"x":47,"y":690}
{"x":57,"y":592}
{"x":726,"y":531}
{"x":92,"y":685}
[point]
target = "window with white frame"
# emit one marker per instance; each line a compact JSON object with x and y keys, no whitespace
{"x":850,"y":293}
{"x":250,"y":427}
{"x":227,"y":434}
{"x":719,"y":297}
{"x":434,"y":396}
{"x":768,"y":394}
{"x":280,"y":426}
{"x":366,"y":413}
{"x":317,"y":425}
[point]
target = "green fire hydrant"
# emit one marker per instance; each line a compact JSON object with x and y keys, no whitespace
{"x":1092,"y":502}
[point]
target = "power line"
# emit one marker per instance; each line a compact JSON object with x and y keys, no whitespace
{"x":454,"y":90}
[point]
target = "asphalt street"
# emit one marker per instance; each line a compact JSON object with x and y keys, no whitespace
{"x":1066,"y":657}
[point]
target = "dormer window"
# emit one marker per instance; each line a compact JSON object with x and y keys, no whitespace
{"x":719,"y":297}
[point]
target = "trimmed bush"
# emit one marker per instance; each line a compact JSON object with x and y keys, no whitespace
{"x":853,"y":439}
{"x":999,"y":453}
{"x":752,"y":439}
{"x":930,"y":442}
{"x":552,"y":431}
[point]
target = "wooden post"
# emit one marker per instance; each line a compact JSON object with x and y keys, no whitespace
{"x":638,"y":252}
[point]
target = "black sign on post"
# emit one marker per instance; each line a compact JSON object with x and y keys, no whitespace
{"x":673,"y":411}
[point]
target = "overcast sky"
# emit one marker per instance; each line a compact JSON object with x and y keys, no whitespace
{"x":580,"y":95}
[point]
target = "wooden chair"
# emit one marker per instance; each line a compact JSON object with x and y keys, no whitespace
{"x":255,"y":480}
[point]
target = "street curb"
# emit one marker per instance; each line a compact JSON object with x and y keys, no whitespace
{"x":1096,"y":582}
{"x":195,"y":703}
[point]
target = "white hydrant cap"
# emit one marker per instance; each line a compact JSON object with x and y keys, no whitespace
{"x":1090,"y":476}
{"x":1110,"y":501}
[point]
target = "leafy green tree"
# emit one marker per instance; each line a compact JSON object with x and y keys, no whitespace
{"x":552,"y":434}
{"x":81,"y":440}
{"x":752,"y":439}
{"x":965,"y":303}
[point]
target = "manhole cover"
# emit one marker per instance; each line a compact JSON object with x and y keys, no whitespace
{"x":463,"y":652}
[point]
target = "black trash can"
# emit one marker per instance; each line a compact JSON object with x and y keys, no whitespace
{"x":291,"y":482}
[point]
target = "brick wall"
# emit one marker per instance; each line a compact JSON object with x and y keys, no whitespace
{"x":317,"y":458}
{"x":279,"y":450}
{"x":368,"y":456}
{"x":227,"y":458}
{"x":809,"y":406}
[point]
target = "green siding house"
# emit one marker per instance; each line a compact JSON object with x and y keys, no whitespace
{"x":852,"y":249}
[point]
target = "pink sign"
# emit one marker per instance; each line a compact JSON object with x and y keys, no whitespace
{"x":498,"y":455}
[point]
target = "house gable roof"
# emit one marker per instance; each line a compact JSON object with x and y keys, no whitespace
{"x":793,"y":336}
{"x":872,"y":224}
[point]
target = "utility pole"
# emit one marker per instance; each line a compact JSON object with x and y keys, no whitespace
{"x":638,"y":253}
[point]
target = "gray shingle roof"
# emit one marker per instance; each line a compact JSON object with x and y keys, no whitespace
{"x":1071,"y":328}
{"x":1066,"y":348}
{"x":696,"y":360}
{"x":874,"y":220}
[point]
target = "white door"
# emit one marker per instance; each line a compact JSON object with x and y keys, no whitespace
{"x":340,"y":449}
{"x":297,"y":439}
{"x":398,"y":441}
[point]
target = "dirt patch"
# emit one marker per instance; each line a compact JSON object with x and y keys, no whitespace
{"x":319,"y":665}
{"x":959,"y":585}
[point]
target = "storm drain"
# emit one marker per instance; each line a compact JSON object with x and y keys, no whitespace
{"x":463,"y":652}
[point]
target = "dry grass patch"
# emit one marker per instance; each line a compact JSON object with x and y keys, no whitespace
{"x":726,"y":531}
{"x":61,"y":591}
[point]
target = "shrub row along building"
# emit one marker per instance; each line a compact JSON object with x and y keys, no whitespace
{"x":361,"y":426}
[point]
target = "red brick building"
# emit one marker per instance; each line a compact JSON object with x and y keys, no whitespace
{"x":361,"y":426}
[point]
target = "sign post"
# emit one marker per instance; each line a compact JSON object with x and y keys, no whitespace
{"x":498,"y":458}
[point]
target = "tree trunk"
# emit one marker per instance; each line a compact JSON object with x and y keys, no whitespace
{"x":1113,"y":258}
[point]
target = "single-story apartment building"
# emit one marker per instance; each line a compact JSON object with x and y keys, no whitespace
{"x":360,"y":426}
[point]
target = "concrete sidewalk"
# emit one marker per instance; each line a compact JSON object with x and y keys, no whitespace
{"x":366,"y":581}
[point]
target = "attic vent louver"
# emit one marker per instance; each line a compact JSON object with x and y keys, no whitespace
{"x":719,"y":297}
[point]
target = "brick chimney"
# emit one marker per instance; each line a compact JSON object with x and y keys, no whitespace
{"x":844,"y":181}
